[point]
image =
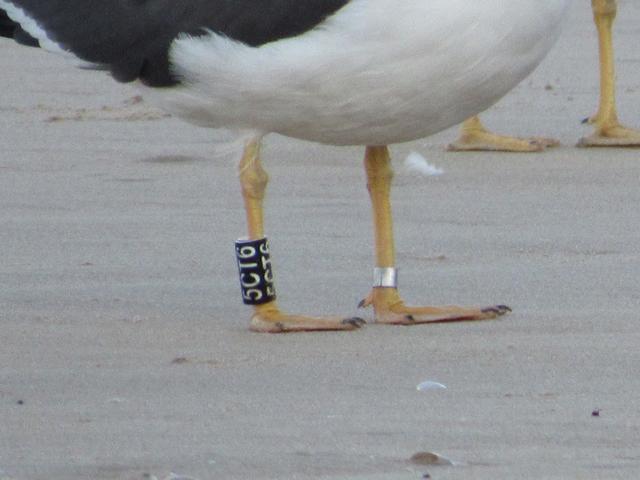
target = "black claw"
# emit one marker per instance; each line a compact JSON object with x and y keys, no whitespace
{"x":354,"y":321}
{"x":585,"y":121}
{"x":498,"y":309}
{"x":410,"y":318}
{"x":362,"y":303}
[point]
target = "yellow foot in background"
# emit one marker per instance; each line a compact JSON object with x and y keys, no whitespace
{"x":269,"y":319}
{"x":613,"y":136}
{"x":389,"y":308}
{"x":486,"y":141}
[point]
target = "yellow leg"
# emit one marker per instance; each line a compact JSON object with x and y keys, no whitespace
{"x":268,"y":317}
{"x":608,"y":131}
{"x":387,"y":304}
{"x":475,"y":137}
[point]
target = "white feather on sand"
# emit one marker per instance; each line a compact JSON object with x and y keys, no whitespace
{"x":416,"y":163}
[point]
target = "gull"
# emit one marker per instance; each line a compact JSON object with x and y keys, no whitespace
{"x":336,"y":72}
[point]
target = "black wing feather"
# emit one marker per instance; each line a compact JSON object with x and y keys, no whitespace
{"x":10,"y":29}
{"x":132,"y":37}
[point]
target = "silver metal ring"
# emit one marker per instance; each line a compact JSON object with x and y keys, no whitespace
{"x":385,"y":277}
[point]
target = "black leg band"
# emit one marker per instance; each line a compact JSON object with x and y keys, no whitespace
{"x":256,"y":276}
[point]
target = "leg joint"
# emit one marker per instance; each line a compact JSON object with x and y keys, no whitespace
{"x":378,"y":166}
{"x":604,"y":7}
{"x":253,"y":178}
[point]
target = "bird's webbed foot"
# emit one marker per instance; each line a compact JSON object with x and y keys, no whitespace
{"x":611,"y":135}
{"x":475,"y":137}
{"x":389,"y":308}
{"x":269,"y":319}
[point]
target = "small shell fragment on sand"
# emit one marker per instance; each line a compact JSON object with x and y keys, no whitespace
{"x":430,"y":385}
{"x":177,"y":476}
{"x":429,"y":458}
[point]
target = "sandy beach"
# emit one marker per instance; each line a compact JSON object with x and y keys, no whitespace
{"x":124,"y":347}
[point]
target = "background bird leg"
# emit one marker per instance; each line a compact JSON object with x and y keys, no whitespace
{"x":608,"y":131}
{"x":475,"y":137}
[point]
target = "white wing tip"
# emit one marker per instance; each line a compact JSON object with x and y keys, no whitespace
{"x":31,"y":26}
